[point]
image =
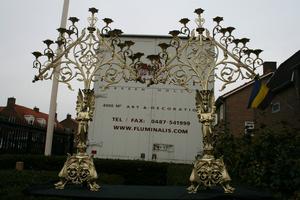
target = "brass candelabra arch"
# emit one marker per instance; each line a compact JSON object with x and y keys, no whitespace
{"x":193,"y":56}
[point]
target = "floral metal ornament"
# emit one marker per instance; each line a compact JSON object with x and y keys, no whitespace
{"x":192,"y":57}
{"x":86,"y":56}
{"x":79,"y":168}
{"x":197,"y":57}
{"x":208,"y":171}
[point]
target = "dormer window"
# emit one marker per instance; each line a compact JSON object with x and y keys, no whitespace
{"x":29,"y":119}
{"x":41,"y":121}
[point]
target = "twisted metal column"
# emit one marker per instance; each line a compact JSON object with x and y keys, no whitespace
{"x":79,"y":168}
{"x":197,"y":57}
{"x":208,"y":171}
{"x":87,"y":57}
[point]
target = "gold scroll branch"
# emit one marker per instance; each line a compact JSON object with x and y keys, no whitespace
{"x":181,"y":62}
{"x":95,"y":54}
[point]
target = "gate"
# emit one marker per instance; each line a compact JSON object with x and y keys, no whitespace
{"x":24,"y":139}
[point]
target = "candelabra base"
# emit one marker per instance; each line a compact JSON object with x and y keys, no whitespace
{"x":78,"y":169}
{"x":209,"y":172}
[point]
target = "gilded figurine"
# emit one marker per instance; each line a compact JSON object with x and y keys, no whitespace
{"x":79,"y":168}
{"x":208,"y":171}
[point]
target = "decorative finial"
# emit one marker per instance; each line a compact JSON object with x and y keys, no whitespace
{"x":199,"y":11}
{"x":93,"y":10}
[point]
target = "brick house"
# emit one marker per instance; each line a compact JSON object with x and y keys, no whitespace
{"x":232,"y":106}
{"x":18,"y":114}
{"x":70,"y":125}
{"x":23,"y":130}
{"x":284,"y":108}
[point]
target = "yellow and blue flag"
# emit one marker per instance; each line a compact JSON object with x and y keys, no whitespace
{"x":261,"y":95}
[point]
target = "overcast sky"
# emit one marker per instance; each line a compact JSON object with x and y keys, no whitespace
{"x":271,"y":25}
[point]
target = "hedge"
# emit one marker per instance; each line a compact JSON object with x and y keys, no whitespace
{"x":270,"y":159}
{"x":133,"y":172}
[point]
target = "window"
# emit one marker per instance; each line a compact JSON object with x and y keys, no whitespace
{"x":41,"y":121}
{"x":221,"y":116}
{"x":249,"y":127}
{"x":275,"y":107}
{"x":154,"y":156}
{"x":29,"y":119}
{"x":12,"y":119}
{"x":142,"y":155}
{"x":68,"y":130}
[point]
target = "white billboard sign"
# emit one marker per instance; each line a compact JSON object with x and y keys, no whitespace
{"x":133,"y":121}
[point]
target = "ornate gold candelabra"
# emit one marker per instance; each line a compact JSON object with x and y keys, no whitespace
{"x":198,"y":56}
{"x":193,"y":56}
{"x":87,"y":56}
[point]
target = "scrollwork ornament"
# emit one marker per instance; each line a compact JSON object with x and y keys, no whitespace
{"x":216,"y":30}
{"x":36,"y":64}
{"x":185,"y":31}
{"x":192,"y":56}
{"x":175,"y":43}
{"x":105,"y":30}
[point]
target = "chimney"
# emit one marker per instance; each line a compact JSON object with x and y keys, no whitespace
{"x":11,"y":102}
{"x":269,"y":67}
{"x":69,"y":116}
{"x":36,"y":109}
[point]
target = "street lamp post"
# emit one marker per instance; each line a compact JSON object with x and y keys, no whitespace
{"x":193,"y":56}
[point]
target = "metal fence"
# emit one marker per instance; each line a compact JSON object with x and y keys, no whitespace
{"x":23,"y":139}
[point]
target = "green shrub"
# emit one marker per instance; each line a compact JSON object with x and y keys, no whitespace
{"x":134,"y":172}
{"x":129,"y":172}
{"x":32,"y":162}
{"x":270,"y":159}
{"x":179,"y":174}
{"x":12,"y":183}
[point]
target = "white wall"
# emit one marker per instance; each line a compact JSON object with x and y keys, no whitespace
{"x":139,"y":108}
